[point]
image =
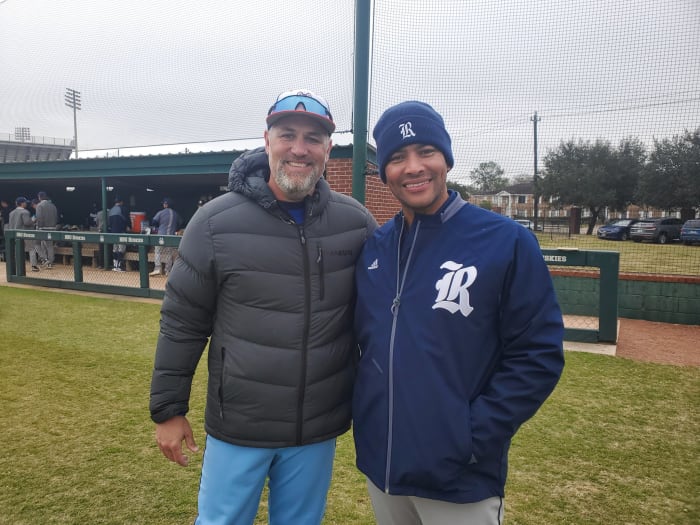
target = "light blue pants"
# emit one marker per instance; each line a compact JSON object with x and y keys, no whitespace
{"x":233,"y":478}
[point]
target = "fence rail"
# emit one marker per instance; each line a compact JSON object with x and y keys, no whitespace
{"x":83,"y":251}
{"x":673,"y":258}
{"x":46,"y":141}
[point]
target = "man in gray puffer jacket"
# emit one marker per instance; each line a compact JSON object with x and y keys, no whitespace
{"x":266,"y":274}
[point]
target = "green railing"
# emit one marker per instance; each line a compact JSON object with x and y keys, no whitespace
{"x":84,"y":246}
{"x":609,"y":264}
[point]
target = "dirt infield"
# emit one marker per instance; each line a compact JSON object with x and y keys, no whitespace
{"x":664,"y":343}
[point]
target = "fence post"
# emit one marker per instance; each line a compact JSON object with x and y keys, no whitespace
{"x":78,"y":262}
{"x":609,"y":263}
{"x":19,"y":257}
{"x":143,"y":265}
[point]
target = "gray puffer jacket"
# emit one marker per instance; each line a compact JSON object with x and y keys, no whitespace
{"x":276,"y":300}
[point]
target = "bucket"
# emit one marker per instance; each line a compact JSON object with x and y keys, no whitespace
{"x":138,"y":221}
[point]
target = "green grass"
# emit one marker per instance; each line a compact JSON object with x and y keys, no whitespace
{"x":616,"y":443}
{"x":667,"y":259}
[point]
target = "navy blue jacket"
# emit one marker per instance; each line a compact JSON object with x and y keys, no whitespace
{"x":118,"y":221}
{"x":461,"y":338}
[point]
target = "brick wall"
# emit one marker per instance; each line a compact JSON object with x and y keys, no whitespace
{"x":378,"y":199}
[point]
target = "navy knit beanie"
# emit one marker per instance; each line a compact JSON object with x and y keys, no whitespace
{"x":406,"y":123}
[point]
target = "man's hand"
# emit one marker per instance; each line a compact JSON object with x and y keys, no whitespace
{"x":169,"y":436}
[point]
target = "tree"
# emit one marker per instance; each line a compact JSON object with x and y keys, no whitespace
{"x":462,"y":190}
{"x":488,"y":177}
{"x":671,"y":180}
{"x":593,"y":175}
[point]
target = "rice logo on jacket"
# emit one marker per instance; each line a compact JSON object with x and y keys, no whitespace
{"x":453,"y":288}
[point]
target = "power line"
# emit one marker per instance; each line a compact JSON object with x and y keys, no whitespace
{"x":673,"y":96}
{"x":627,"y":108}
{"x":506,"y":123}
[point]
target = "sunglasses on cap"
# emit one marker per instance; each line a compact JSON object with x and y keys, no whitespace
{"x":306,"y":102}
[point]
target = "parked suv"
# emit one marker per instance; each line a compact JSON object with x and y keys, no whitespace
{"x":656,"y":230}
{"x":690,"y":232}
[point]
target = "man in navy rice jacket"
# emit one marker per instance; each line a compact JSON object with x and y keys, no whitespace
{"x":460,"y":335}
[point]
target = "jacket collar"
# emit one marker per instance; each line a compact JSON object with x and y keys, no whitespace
{"x":448,"y":210}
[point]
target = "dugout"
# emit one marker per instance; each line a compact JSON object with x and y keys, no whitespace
{"x":142,"y":181}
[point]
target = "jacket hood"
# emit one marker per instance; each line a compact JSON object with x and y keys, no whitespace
{"x":249,"y":174}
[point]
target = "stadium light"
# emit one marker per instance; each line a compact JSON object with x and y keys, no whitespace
{"x":72,"y":98}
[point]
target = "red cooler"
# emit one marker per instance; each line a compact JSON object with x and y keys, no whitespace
{"x":138,"y":219}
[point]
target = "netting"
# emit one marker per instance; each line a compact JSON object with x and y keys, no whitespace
{"x":167,"y":72}
{"x":174,"y":72}
{"x":178,"y":72}
{"x":591,"y":70}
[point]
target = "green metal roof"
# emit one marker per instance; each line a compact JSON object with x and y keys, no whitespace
{"x":135,"y":166}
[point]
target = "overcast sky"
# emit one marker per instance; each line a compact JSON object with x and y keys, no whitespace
{"x":161,"y":72}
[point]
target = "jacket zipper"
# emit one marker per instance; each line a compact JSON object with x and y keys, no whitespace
{"x":395,"y":305}
{"x":305,"y":337}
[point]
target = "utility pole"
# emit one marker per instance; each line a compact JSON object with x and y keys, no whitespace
{"x":535,"y":119}
{"x":72,"y":98}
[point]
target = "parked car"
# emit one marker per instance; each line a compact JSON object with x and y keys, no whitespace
{"x":690,"y":231}
{"x":618,"y":230}
{"x":656,"y":230}
{"x":527,"y":223}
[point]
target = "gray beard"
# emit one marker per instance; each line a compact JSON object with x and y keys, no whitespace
{"x":296,"y":189}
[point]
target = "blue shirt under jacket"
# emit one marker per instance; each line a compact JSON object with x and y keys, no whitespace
{"x":461,"y":337}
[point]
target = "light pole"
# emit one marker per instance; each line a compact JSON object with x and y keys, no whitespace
{"x":72,"y":98}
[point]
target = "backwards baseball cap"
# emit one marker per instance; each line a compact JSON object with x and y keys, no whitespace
{"x":407,"y":123}
{"x":301,"y":101}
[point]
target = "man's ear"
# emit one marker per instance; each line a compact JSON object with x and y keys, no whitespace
{"x":328,"y":151}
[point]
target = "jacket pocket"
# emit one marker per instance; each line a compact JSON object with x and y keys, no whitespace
{"x":436,"y":448}
{"x":321,"y":275}
{"x":222,"y":376}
